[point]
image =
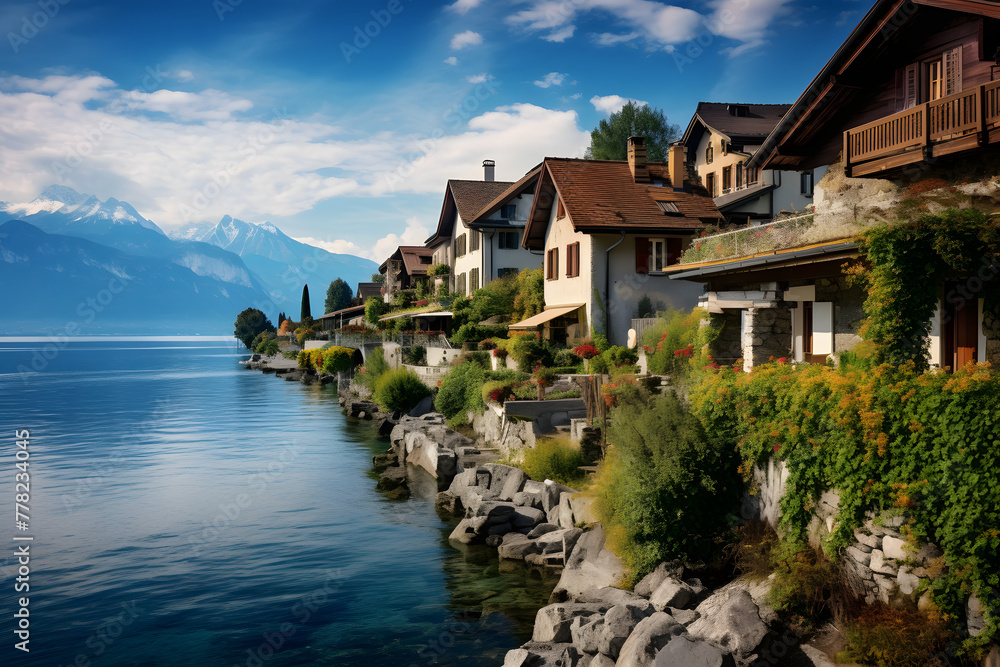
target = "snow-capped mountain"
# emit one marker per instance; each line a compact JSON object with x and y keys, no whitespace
{"x":60,"y":208}
{"x":280,"y":261}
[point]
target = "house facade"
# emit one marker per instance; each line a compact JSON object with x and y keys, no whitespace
{"x":405,"y":269}
{"x":480,"y":228}
{"x":720,"y":140}
{"x":607,"y":231}
{"x":906,"y":119}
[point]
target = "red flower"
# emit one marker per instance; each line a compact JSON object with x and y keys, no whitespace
{"x":782,"y":360}
{"x":776,"y":448}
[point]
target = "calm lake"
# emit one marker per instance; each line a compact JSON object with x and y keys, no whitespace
{"x":186,"y":511}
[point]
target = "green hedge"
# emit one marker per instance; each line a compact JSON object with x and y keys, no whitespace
{"x":400,"y":390}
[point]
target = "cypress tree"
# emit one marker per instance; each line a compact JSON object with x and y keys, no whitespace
{"x":306,"y":313}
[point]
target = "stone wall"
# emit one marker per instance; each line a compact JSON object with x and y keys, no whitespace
{"x":848,"y":309}
{"x":767,"y":334}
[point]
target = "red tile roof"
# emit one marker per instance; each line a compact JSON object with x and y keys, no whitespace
{"x":467,"y":198}
{"x":411,"y":255}
{"x":759,"y":121}
{"x":602,"y":196}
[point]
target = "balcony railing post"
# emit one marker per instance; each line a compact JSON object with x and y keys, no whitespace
{"x":981,"y":93}
{"x":847,"y":153}
{"x":927,"y":130}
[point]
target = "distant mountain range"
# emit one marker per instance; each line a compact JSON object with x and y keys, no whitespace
{"x":65,"y":246}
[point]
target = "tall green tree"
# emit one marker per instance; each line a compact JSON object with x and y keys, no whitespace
{"x":378,"y":278}
{"x":305,"y":313}
{"x":338,"y":295}
{"x":249,"y":324}
{"x":609,"y":140}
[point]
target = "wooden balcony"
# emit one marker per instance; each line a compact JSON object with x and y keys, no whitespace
{"x":960,"y":122}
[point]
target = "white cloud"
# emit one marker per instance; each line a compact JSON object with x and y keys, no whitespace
{"x":610,"y":104}
{"x":451,"y":60}
{"x":612,"y":39}
{"x":551,"y":79}
{"x":176,"y":161}
{"x":660,"y":24}
{"x":478,"y":78}
{"x":464,"y":39}
{"x":576,"y":96}
{"x":463,"y":6}
{"x":415,"y":233}
{"x":184,"y":75}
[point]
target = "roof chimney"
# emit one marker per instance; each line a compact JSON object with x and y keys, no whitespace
{"x":488,"y":169}
{"x":675,"y":163}
{"x":637,"y":159}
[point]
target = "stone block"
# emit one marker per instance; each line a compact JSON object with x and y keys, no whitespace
{"x":893,"y":547}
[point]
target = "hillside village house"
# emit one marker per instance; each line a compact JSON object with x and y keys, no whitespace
{"x":906,"y":112}
{"x":720,"y":140}
{"x":608,"y":230}
{"x":366,"y":291}
{"x":405,"y":269}
{"x":479,"y":231}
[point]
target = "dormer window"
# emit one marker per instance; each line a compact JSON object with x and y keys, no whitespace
{"x":739,"y":110}
{"x":709,"y":153}
{"x":508,"y":211}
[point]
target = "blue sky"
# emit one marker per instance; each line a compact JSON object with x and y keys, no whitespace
{"x":192,"y":110}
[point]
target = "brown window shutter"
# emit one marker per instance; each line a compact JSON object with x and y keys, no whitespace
{"x":674,"y":249}
{"x":641,"y":254}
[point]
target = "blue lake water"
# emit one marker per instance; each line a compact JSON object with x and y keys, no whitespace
{"x":186,"y":511}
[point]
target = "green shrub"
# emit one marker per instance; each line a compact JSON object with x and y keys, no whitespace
{"x":337,"y":359}
{"x":267,"y":347}
{"x":498,"y":391}
{"x":303,"y":359}
{"x":375,"y":308}
{"x":556,"y":459}
{"x":666,"y":487}
{"x":565,"y":358}
{"x":478,"y":357}
{"x":303,"y":336}
{"x":375,"y":366}
{"x":399,"y":390}
{"x":461,"y":391}
{"x":439,"y":270}
{"x":474,"y":333}
{"x":884,"y":636}
{"x":674,"y":344}
{"x":415,"y":355}
{"x":600,"y":341}
{"x":528,"y":352}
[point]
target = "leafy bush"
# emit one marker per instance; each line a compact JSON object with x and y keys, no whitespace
{"x":477,"y":357}
{"x":399,"y":390}
{"x":375,"y":366}
{"x":267,"y":347}
{"x":586,"y":351}
{"x":565,"y":358}
{"x":600,"y":341}
{"x":303,"y":336}
{"x":803,"y":586}
{"x":884,"y":636}
{"x":375,"y":308}
{"x":487,"y":344}
{"x":614,"y":358}
{"x":888,"y":437}
{"x":474,"y":333}
{"x":461,"y":391}
{"x":415,"y":355}
{"x":337,"y":359}
{"x":528,"y":351}
{"x":556,"y":459}
{"x":439,"y":270}
{"x":498,"y":391}
{"x":666,"y":486}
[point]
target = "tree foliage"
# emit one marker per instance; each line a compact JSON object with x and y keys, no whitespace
{"x":338,"y":295}
{"x":609,"y":140}
{"x":249,"y":324}
{"x":378,"y":278}
{"x":400,"y":390}
{"x":306,"y":310}
{"x":375,"y":308}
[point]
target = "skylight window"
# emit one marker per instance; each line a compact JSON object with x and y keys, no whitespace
{"x":668,"y":207}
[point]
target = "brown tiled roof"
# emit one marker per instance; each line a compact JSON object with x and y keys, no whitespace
{"x":468,"y":198}
{"x":601,"y":195}
{"x":410,"y":255}
{"x":758,"y":123}
{"x":527,"y":182}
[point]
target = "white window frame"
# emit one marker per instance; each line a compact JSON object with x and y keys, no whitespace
{"x":657,"y":246}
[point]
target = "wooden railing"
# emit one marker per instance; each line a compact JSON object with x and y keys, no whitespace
{"x":925,"y":125}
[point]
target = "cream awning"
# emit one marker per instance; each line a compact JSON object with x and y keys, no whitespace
{"x":550,"y":313}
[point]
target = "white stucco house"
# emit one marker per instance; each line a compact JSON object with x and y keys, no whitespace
{"x":608,"y":230}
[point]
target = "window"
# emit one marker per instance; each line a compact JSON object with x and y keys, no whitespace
{"x":561,"y":213}
{"x":654,"y":255}
{"x":709,"y":153}
{"x":552,"y":265}
{"x":727,"y":179}
{"x":473,"y":280}
{"x":933,"y":79}
{"x":752,"y":176}
{"x":739,"y":110}
{"x":573,"y":260}
{"x":425,"y":260}
{"x":460,"y":246}
{"x":506,"y":272}
{"x":474,"y":240}
{"x":508,"y":241}
{"x":710,"y":184}
{"x":460,"y":283}
{"x":806,"y":183}
{"x":508,"y":211}
{"x":725,"y":147}
{"x":739,"y":175}
{"x":668,"y":207}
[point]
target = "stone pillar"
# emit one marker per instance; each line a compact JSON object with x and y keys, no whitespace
{"x":991,"y":329}
{"x":767,"y":333}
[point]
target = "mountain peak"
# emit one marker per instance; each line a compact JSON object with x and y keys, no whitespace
{"x":62,"y":193}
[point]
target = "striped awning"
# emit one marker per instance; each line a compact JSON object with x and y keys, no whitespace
{"x":550,"y":313}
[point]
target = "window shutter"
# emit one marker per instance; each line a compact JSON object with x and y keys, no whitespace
{"x":910,"y":83}
{"x":673,"y":250}
{"x":641,"y":254}
{"x":953,"y":71}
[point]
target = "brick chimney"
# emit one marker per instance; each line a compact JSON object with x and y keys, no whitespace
{"x":489,"y":167}
{"x":675,"y":163}
{"x":637,"y":159}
